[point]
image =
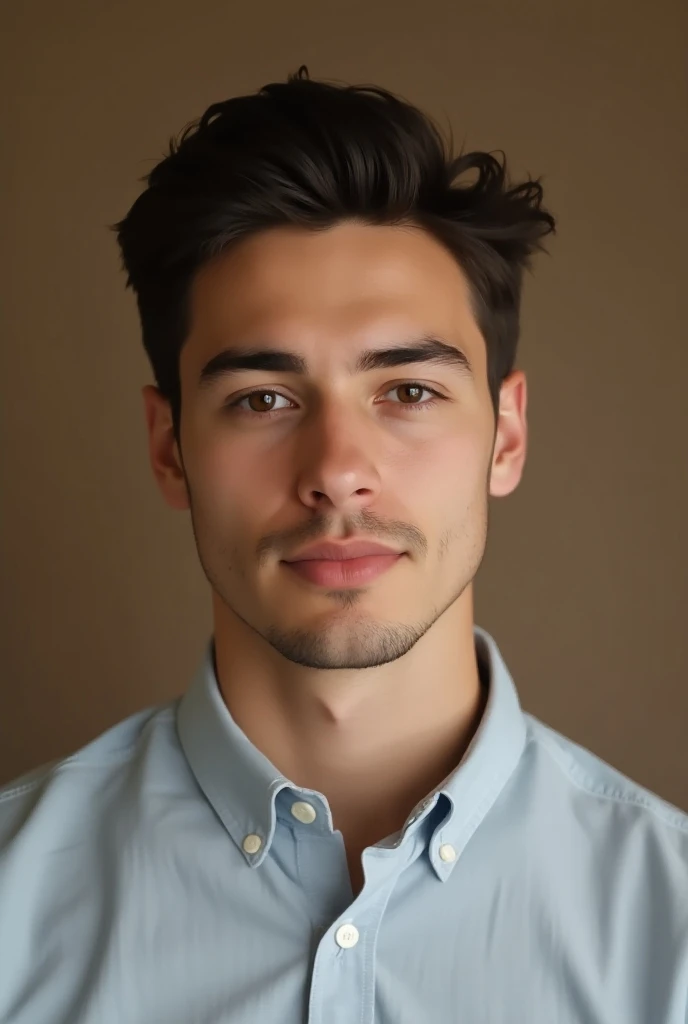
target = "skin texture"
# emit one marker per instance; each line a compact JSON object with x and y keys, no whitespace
{"x":369,"y":695}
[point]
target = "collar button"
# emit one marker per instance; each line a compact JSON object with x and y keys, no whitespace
{"x":252,"y":843}
{"x":303,"y":812}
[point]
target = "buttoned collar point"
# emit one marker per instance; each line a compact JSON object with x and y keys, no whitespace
{"x":250,"y":796}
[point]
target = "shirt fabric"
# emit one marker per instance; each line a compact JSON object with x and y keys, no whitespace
{"x":167,"y":873}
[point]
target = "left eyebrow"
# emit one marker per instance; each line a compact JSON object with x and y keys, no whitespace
{"x":428,"y":349}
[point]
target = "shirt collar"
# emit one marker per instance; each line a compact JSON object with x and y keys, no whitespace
{"x":249,"y":794}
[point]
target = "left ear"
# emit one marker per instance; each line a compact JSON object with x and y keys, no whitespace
{"x":509,"y":455}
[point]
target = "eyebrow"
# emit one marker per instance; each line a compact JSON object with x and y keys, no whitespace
{"x":427,"y":349}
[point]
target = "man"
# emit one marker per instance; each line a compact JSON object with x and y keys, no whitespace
{"x":347,"y":817}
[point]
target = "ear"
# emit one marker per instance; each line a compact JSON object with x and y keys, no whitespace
{"x":164,"y":453}
{"x":509,"y":455}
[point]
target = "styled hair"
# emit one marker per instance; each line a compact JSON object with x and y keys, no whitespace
{"x":312,"y":154}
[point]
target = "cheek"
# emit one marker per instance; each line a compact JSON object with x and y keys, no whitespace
{"x":448,"y":466}
{"x":232,"y":481}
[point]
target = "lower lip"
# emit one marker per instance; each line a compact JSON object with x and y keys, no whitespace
{"x":350,"y":572}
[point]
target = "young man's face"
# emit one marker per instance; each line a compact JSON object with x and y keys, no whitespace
{"x":340,"y":452}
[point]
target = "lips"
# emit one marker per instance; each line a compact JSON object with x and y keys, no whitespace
{"x":347,"y":572}
{"x":341,"y":552}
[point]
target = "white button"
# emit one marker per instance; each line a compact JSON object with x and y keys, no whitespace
{"x":303,"y":811}
{"x":252,"y":843}
{"x":447,"y":852}
{"x":347,"y":936}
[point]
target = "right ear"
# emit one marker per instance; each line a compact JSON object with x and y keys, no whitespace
{"x":164,"y":454}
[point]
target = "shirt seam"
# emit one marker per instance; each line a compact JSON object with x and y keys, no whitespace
{"x":72,"y":761}
{"x":577,"y":775}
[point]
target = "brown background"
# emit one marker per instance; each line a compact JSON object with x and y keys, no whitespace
{"x":584,"y":583}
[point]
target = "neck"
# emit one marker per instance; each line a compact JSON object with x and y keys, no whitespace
{"x":375,"y":747}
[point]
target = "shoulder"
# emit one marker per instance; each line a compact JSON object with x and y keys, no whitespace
{"x":50,"y":800}
{"x":608,"y":806}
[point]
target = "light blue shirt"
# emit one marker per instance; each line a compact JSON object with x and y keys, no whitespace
{"x":168,"y":874}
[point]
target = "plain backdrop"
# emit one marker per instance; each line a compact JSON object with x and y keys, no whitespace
{"x":584,"y":585}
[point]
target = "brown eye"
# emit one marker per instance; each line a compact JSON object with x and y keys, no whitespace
{"x":254,"y":402}
{"x":416,"y":390}
{"x":257,"y":401}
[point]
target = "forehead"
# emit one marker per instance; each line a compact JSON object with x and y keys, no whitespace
{"x":342,"y":288}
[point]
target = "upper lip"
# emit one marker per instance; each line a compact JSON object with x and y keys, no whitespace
{"x":337,"y":552}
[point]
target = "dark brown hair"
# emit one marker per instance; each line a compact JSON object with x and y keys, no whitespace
{"x":311,"y":153}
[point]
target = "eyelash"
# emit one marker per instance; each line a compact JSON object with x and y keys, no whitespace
{"x":270,"y":391}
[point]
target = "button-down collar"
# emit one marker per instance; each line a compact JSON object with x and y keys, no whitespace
{"x":243,"y":786}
